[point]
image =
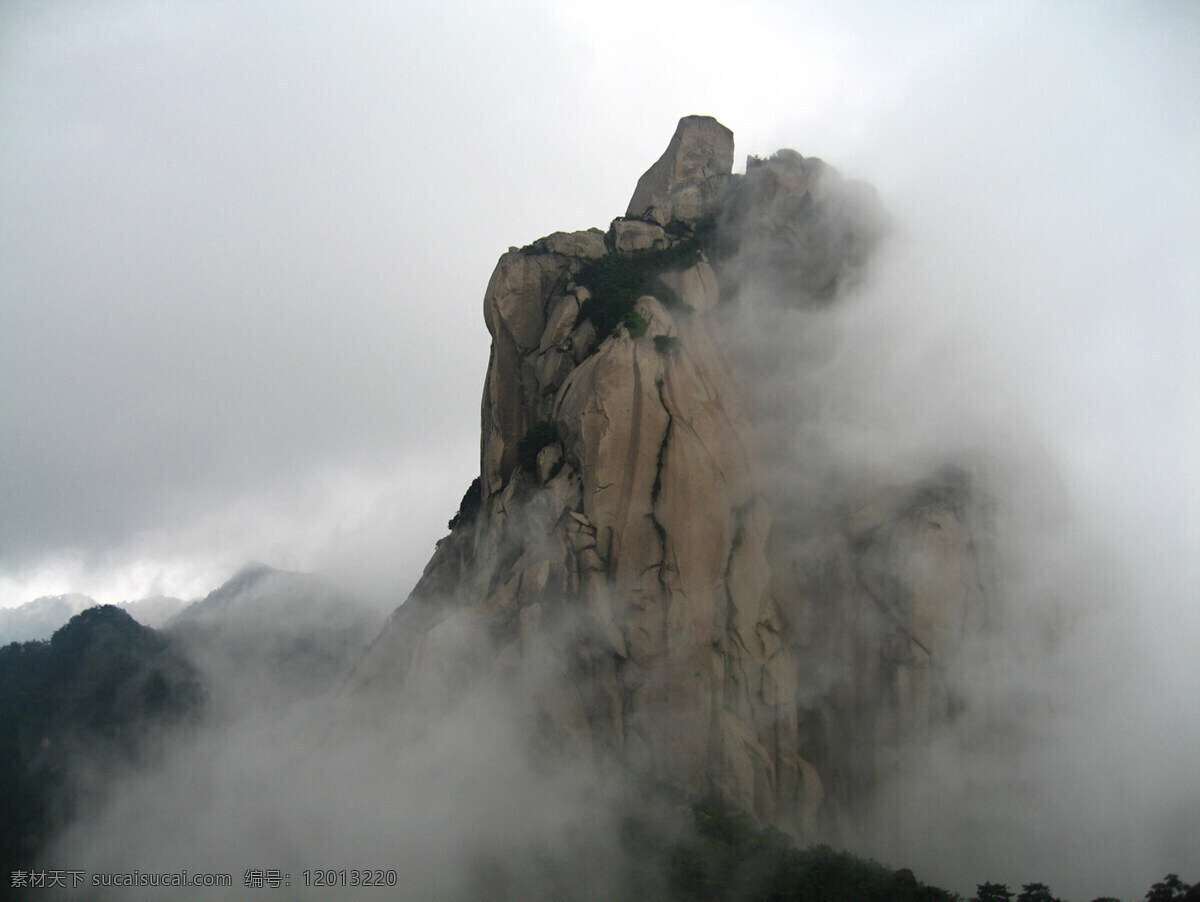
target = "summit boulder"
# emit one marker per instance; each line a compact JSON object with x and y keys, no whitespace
{"x":687,"y":181}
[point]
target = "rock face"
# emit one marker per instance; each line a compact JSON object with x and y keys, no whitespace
{"x":689,"y":178}
{"x":621,"y":543}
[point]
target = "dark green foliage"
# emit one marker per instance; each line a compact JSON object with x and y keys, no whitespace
{"x":635,"y":323}
{"x":704,"y":232}
{"x":616,"y":281}
{"x":1036,"y":892}
{"x":604,"y":313}
{"x":86,"y":702}
{"x":468,"y":508}
{"x":531,"y":444}
{"x":992,"y":892}
{"x":1169,"y":889}
{"x":666,"y":344}
{"x":712,"y":240}
{"x":723,"y":824}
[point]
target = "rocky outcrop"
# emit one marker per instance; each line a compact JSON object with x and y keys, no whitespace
{"x":623,"y":561}
{"x":688,"y":180}
{"x":635,"y":235}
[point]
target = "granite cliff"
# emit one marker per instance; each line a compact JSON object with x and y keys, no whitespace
{"x":630,"y":557}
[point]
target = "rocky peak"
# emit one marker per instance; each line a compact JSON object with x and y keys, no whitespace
{"x":623,"y":540}
{"x":687,"y":181}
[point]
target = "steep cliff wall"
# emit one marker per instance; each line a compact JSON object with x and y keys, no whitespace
{"x":626,"y":558}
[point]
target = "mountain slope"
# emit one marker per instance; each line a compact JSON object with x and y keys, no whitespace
{"x":38,"y":619}
{"x":75,"y":711}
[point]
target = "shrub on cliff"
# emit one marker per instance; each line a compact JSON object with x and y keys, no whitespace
{"x":616,"y":281}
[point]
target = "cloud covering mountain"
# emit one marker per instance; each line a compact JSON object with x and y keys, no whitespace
{"x":243,"y":251}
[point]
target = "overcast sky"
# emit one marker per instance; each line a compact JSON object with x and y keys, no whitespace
{"x":243,"y":245}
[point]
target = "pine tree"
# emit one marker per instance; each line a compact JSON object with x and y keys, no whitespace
{"x":992,"y":892}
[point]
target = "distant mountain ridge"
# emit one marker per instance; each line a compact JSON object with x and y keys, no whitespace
{"x":38,"y":619}
{"x":260,"y":592}
{"x":255,"y":587}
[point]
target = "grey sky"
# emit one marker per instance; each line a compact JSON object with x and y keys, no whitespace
{"x":243,"y":246}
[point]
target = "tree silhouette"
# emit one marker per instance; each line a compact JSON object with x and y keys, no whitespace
{"x":992,"y":892}
{"x":1036,"y":892}
{"x":1169,"y":889}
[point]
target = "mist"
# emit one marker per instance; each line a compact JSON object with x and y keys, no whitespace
{"x":1052,"y":332}
{"x":1072,"y":763}
{"x":1031,"y":316}
{"x":452,"y":805}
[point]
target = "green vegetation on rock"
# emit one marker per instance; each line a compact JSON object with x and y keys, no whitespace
{"x":635,"y":323}
{"x":616,"y":281}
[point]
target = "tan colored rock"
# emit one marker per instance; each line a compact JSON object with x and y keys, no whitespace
{"x":745,"y":772}
{"x":559,"y":324}
{"x":586,"y":245}
{"x":695,"y":287}
{"x":514,"y":304}
{"x":668,"y":486}
{"x":549,"y":460}
{"x":515,"y":307}
{"x":633,"y":235}
{"x":612,"y":425}
{"x":690,"y":177}
{"x":581,"y":341}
